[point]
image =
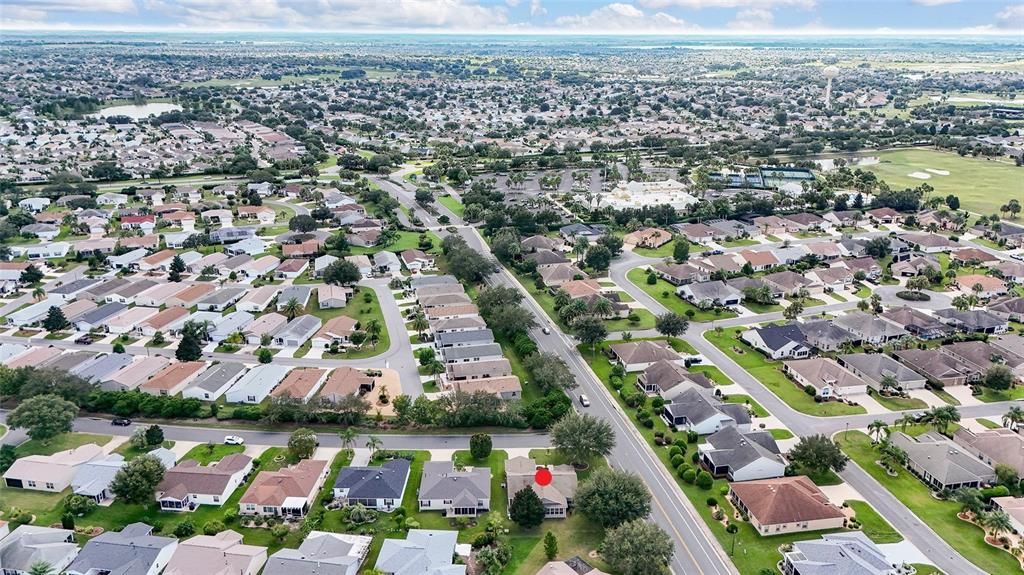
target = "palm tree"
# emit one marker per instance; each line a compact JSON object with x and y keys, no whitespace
{"x":348,"y":437}
{"x":904,"y":421}
{"x":1013,"y":417}
{"x":942,"y":417}
{"x":436,"y":368}
{"x":373,"y":443}
{"x":420,"y":324}
{"x":573,"y":310}
{"x":373,"y":329}
{"x":602,"y":307}
{"x":39,"y":293}
{"x":891,"y":455}
{"x":41,"y":568}
{"x":561,"y":298}
{"x":997,"y":522}
{"x":889,"y":382}
{"x":875,"y":429}
{"x":970,"y":499}
{"x":580,"y":248}
{"x":292,"y":308}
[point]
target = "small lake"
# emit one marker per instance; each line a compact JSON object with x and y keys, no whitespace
{"x":137,"y":112}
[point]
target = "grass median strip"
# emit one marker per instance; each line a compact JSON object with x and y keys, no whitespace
{"x":941,"y":516}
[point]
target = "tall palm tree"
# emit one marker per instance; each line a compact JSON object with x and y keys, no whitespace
{"x":875,"y":429}
{"x":942,"y":417}
{"x":39,"y":293}
{"x":373,"y":443}
{"x":292,"y":308}
{"x":436,"y":368}
{"x":348,"y":437}
{"x":420,"y":324}
{"x":373,"y":329}
{"x":891,"y":455}
{"x":889,"y":382}
{"x":561,"y":298}
{"x":580,"y":247}
{"x":997,"y":522}
{"x":904,"y":421}
{"x":970,"y":499}
{"x":602,"y":307}
{"x":1013,"y":417}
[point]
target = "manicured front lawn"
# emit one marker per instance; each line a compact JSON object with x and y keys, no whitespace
{"x":945,"y":396}
{"x":406,"y":241}
{"x":873,"y":525}
{"x":362,"y":311}
{"x":754,"y":406}
{"x":665,"y":294}
{"x":967,"y":539}
{"x":779,"y":434}
{"x":898,"y":403}
{"x":762,"y":308}
{"x":131,"y":452}
{"x":769,"y":373}
{"x":62,"y":442}
{"x":665,"y":251}
{"x":863,"y":291}
{"x":988,"y":424}
{"x":989,"y":395}
{"x":737,"y":243}
{"x":207,"y":453}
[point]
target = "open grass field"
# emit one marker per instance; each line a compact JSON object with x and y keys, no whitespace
{"x":62,"y":442}
{"x":982,"y":185}
{"x":873,"y":525}
{"x":406,"y":241}
{"x":967,"y":539}
{"x":452,"y":204}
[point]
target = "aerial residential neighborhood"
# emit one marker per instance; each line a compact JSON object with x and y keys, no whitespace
{"x":511,"y":288}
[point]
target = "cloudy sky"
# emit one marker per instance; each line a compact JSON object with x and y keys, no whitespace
{"x":516,"y":16}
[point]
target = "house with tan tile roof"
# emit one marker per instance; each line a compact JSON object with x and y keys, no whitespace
{"x":287,"y":492}
{"x":556,"y":496}
{"x":167,"y":321}
{"x":336,"y":330}
{"x":785,"y":505}
{"x":220,"y":554}
{"x":188,"y":484}
{"x":190,"y":296}
{"x":505,"y":387}
{"x":174,"y":378}
{"x":132,"y":376}
{"x":158,"y":261}
{"x":648,"y":238}
{"x":301,"y":383}
{"x":346,"y":382}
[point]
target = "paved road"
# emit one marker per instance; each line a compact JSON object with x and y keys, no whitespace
{"x":697,"y":551}
{"x":275,"y":438}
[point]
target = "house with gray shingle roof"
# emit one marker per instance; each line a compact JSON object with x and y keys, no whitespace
{"x":321,"y":553}
{"x":742,"y":456}
{"x":379,"y":488}
{"x":214,"y":381}
{"x":869,"y":328}
{"x":942,"y":464}
{"x":422,"y":552}
{"x":696,"y":410}
{"x":837,"y":554}
{"x":132,"y":551}
{"x":465,"y":493}
{"x":30,"y":544}
{"x":873,"y":368}
{"x":93,"y":478}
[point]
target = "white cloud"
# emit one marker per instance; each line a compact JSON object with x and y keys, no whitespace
{"x":935,"y":2}
{"x":1011,"y":17}
{"x":537,"y":9}
{"x":453,"y":15}
{"x":512,"y":3}
{"x":46,"y":6}
{"x":699,"y":4}
{"x":619,"y":17}
{"x":753,"y":19}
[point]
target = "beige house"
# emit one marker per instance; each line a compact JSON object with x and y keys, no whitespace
{"x":785,"y":505}
{"x":287,"y":492}
{"x":50,"y":472}
{"x":520,"y":473}
{"x":829,"y":379}
{"x":220,"y":554}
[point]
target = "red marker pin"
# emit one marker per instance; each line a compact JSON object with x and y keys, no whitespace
{"x":543,"y":477}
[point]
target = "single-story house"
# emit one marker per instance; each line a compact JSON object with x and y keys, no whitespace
{"x":257,"y":383}
{"x":455,"y":493}
{"x":188,"y":484}
{"x":741,"y":456}
{"x":288,"y":492}
{"x":785,"y":505}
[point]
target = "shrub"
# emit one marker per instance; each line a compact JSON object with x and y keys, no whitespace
{"x":674,"y":451}
{"x":692,"y":437}
{"x":67,"y":521}
{"x":214,"y":527}
{"x":682,"y":469}
{"x":279,"y":531}
{"x":230,"y":516}
{"x":712,"y":502}
{"x":185,"y":529}
{"x":690,"y":476}
{"x":616,"y":382}
{"x":485,"y":539}
{"x":678,"y":460}
{"x":695,"y":457}
{"x":809,"y":390}
{"x":79,"y":504}
{"x":704,"y":480}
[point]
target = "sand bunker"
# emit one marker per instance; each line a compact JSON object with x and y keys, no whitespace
{"x":919,"y":175}
{"x":937,"y":172}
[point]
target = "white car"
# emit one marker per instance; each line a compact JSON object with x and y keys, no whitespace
{"x":584,"y":400}
{"x":233,"y":440}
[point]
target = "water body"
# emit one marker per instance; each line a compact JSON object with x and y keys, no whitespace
{"x":136,"y":111}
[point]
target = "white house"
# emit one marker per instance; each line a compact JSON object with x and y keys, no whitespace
{"x":256,"y":385}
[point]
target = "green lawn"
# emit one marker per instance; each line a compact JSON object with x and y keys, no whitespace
{"x":873,"y":525}
{"x":967,"y":539}
{"x":752,"y":551}
{"x":754,"y":406}
{"x":982,"y":185}
{"x":62,"y":442}
{"x":665,"y":294}
{"x":779,"y":434}
{"x":737,"y":243}
{"x":406,"y":241}
{"x":945,"y":396}
{"x":207,"y":453}
{"x":989,"y":395}
{"x":363,"y":312}
{"x":665,"y":251}
{"x":898,"y":403}
{"x":130,"y":452}
{"x":547,"y":302}
{"x":762,"y":308}
{"x":836,"y":296}
{"x":988,"y":423}
{"x":769,"y":373}
{"x":452,"y":204}
{"x":863,"y":291}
